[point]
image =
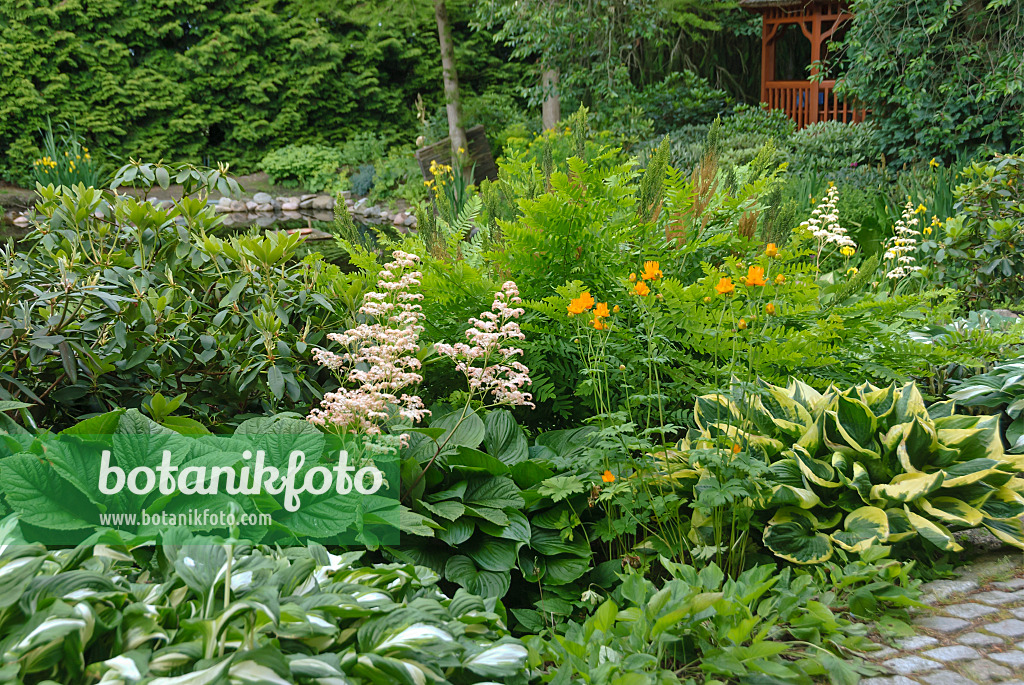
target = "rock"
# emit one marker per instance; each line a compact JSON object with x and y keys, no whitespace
{"x":983,"y":670}
{"x":1010,"y":585}
{"x":995,"y":597}
{"x":373,"y":211}
{"x":224,"y":202}
{"x":942,"y":589}
{"x":346,"y":194}
{"x":290,"y":215}
{"x":262,"y":198}
{"x":236,"y":206}
{"x":22,"y":220}
{"x":1012,"y":315}
{"x":911,"y":664}
{"x":916,"y":642}
{"x":266,"y":219}
{"x":265,"y":207}
{"x":323,"y":202}
{"x":941,"y":624}
{"x":306,"y":204}
{"x":289,"y":206}
{"x":945,"y":678}
{"x":1011,"y":627}
{"x":978,"y":640}
{"x":968,"y":610}
{"x":411,"y":222}
{"x":953,"y":653}
{"x":891,"y":680}
{"x":250,"y":206}
{"x":306,"y":197}
{"x":1013,"y":659}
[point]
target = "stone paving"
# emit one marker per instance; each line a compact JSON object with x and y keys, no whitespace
{"x":972,"y":633}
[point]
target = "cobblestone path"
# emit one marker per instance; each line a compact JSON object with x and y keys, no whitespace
{"x":973,"y":633}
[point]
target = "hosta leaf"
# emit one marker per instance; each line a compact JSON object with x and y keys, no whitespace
{"x":1010,"y":531}
{"x":498,"y":661}
{"x":504,"y":438}
{"x":861,"y":482}
{"x":856,"y":420}
{"x":448,"y":509}
{"x":900,"y":527}
{"x":917,"y":449}
{"x":804,"y":395}
{"x":934,"y":532}
{"x":518,"y":527}
{"x":968,"y":472}
{"x":909,"y":404}
{"x":791,"y":535}
{"x":716,"y":408}
{"x":864,"y":527}
{"x":1002,"y":508}
{"x":787,"y":495}
{"x":461,"y":569}
{"x":788,"y":415}
{"x":787,"y":472}
{"x":564,"y":568}
{"x":816,"y":471}
{"x":907,"y":487}
{"x":951,"y":510}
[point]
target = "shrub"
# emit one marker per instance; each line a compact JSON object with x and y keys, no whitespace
{"x":682,"y":99}
{"x":829,"y":146}
{"x":151,"y":300}
{"x":311,"y":167}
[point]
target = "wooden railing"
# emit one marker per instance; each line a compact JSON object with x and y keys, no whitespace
{"x":806,"y":103}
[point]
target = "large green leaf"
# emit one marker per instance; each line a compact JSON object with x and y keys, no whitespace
{"x":461,"y":569}
{"x":950,"y":510}
{"x":504,"y":438}
{"x":907,"y":487}
{"x":864,"y":527}
{"x":460,"y":429}
{"x":792,"y":535}
{"x":490,"y":553}
{"x":935,"y":533}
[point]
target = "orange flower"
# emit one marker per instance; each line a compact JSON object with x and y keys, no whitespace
{"x":651,"y":271}
{"x":736,"y":448}
{"x":755,"y":276}
{"x":780,"y":279}
{"x":725,"y":286}
{"x":769,"y":308}
{"x":771,"y":250}
{"x":598,"y":324}
{"x":602,"y":309}
{"x":581,"y":303}
{"x":608,"y":476}
{"x":641,"y":289}
{"x":742,"y":325}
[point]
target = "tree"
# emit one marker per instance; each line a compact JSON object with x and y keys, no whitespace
{"x":451,"y":80}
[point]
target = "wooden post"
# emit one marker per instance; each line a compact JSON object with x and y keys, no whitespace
{"x":814,"y":90}
{"x":767,"y":57}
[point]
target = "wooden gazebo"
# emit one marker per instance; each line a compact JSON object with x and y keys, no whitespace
{"x":804,"y":100}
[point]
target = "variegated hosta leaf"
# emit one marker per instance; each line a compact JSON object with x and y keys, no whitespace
{"x":935,"y":533}
{"x":900,"y":527}
{"x":881,"y":401}
{"x":789,"y":416}
{"x":975,"y":437}
{"x":950,"y":510}
{"x":968,"y":472}
{"x":907,"y":487}
{"x":804,"y":395}
{"x":792,"y":535}
{"x":816,"y":471}
{"x":909,"y":404}
{"x":746,"y":440}
{"x":786,"y":495}
{"x":715,"y":408}
{"x":864,"y":527}
{"x":861,"y":482}
{"x":1010,"y":531}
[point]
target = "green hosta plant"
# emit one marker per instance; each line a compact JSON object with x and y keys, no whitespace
{"x":202,"y":610}
{"x":867,"y":466}
{"x":1001,"y":388}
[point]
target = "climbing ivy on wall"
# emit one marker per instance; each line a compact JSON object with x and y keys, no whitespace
{"x":942,"y":75}
{"x":209,"y":80}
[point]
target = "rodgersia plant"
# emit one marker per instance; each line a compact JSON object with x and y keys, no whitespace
{"x":500,"y":374}
{"x":381,"y":360}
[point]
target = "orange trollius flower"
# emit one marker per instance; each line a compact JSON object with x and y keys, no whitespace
{"x":632,"y":278}
{"x":651,"y":271}
{"x":581,"y":303}
{"x":771,"y":250}
{"x":736,"y":448}
{"x":742,"y":325}
{"x":602,"y":309}
{"x":598,"y":324}
{"x":608,"y":476}
{"x":780,"y":279}
{"x":641,"y":289}
{"x":769,"y":308}
{"x":725,"y":286}
{"x":755,"y":276}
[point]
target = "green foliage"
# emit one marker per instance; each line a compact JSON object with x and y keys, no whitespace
{"x":226,"y":79}
{"x":834,"y":145}
{"x":99,"y":312}
{"x":310,"y":167}
{"x":868,"y":466}
{"x":703,"y":624}
{"x":898,"y":51}
{"x":1000,"y":389}
{"x":65,"y":162}
{"x":216,"y":611}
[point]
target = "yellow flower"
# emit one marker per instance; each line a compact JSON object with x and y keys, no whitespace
{"x":934,"y":164}
{"x":831,"y":184}
{"x":780,"y":279}
{"x":725,"y":286}
{"x":935,"y":221}
{"x":651,"y":271}
{"x":615,"y":309}
{"x":581,"y":303}
{"x":641,"y":289}
{"x":755,"y":276}
{"x":632,"y":278}
{"x":847,"y":251}
{"x":852,"y":271}
{"x":707,"y":300}
{"x":608,"y":476}
{"x":921,"y":209}
{"x":927,"y":230}
{"x":462,"y":150}
{"x":769,"y":308}
{"x":771,"y":250}
{"x":602,"y":309}
{"x":742,"y":325}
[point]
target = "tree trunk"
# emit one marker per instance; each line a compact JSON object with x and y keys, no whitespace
{"x":456,"y":132}
{"x":552,"y":108}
